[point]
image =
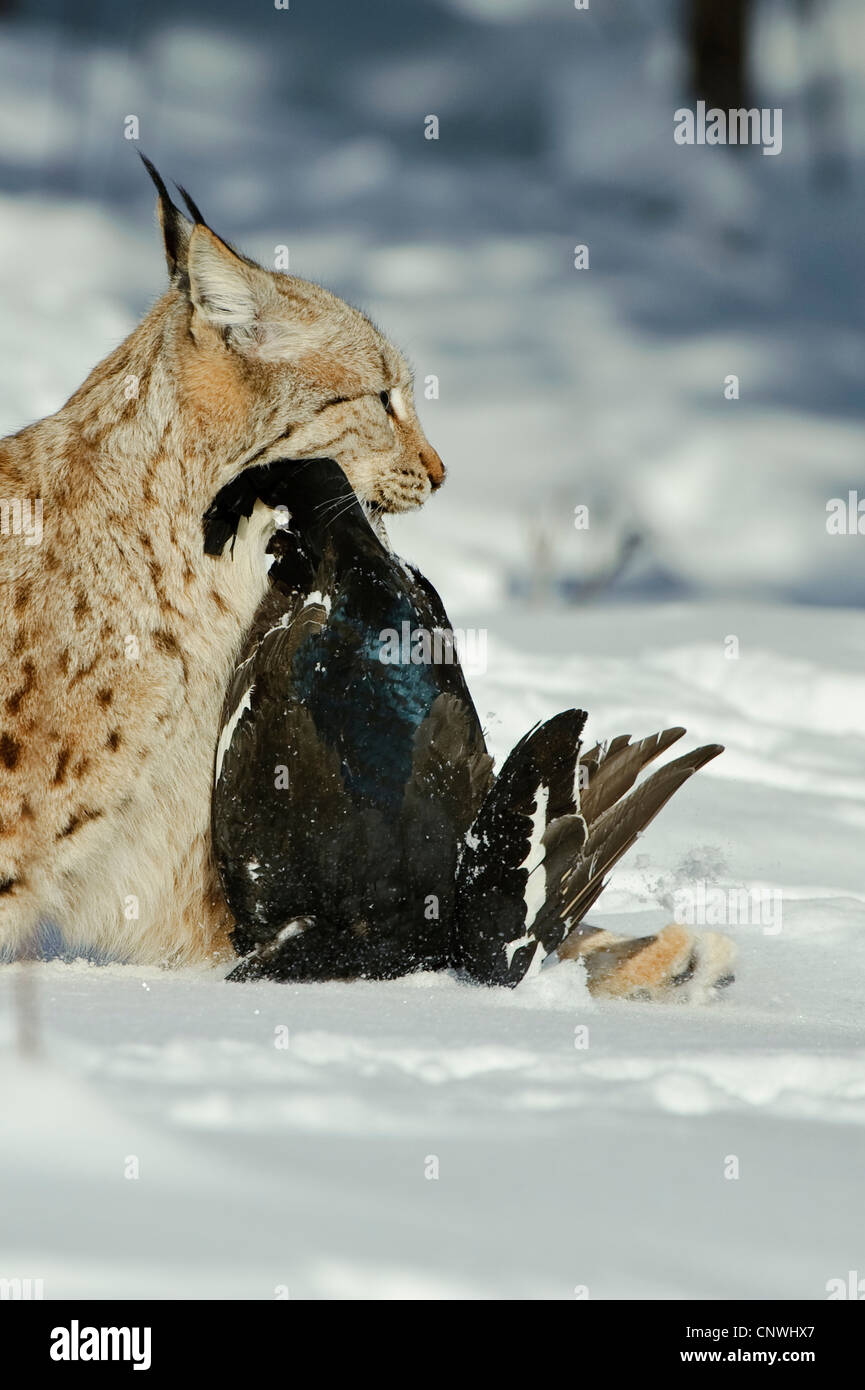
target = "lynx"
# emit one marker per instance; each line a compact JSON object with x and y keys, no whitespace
{"x":118,"y":634}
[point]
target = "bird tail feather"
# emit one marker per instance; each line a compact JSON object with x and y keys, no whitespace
{"x":538,"y":855}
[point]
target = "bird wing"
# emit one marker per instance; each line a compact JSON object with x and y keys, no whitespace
{"x":431,"y":611}
{"x":615,"y":824}
{"x":278,"y":792}
{"x":502,"y":891}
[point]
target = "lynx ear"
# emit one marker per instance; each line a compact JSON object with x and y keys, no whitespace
{"x":175,"y":229}
{"x":224,"y":289}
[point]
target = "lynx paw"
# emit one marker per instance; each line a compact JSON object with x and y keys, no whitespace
{"x":676,"y":964}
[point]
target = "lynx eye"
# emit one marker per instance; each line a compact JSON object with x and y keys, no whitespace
{"x":384,"y":397}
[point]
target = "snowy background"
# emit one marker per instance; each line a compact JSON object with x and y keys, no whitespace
{"x":303,"y":1168}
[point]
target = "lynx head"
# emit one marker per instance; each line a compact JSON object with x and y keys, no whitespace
{"x":272,"y":365}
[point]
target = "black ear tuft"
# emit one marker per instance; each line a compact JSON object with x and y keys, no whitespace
{"x":157,"y":178}
{"x":194,"y":210}
{"x":175,"y":227}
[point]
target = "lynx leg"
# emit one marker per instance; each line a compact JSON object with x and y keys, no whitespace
{"x":198,"y":918}
{"x":19,"y":918}
{"x":676,"y":964}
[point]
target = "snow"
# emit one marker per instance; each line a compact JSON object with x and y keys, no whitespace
{"x":309,"y":1169}
{"x":264,"y":1165}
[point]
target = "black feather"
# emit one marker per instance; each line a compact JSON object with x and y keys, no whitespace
{"x":386,"y":764}
{"x":356,"y":822}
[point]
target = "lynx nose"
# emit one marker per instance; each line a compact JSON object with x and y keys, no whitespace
{"x":433,"y":465}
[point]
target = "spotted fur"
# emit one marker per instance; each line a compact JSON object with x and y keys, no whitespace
{"x":117,"y":632}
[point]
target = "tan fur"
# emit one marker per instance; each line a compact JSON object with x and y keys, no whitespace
{"x":118,"y":634}
{"x":676,"y":963}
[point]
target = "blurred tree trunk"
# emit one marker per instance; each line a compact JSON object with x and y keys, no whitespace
{"x":717,"y":40}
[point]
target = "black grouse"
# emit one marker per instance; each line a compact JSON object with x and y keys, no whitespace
{"x":357,"y":823}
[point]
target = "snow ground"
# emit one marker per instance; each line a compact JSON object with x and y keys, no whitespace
{"x":261,"y":1167}
{"x":600,"y":1166}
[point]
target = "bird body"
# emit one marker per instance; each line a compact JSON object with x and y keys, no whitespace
{"x":357,"y":824}
{"x":344,"y":785}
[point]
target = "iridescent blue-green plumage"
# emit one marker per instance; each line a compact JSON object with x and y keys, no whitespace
{"x":384,"y":763}
{"x":356,"y":822}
